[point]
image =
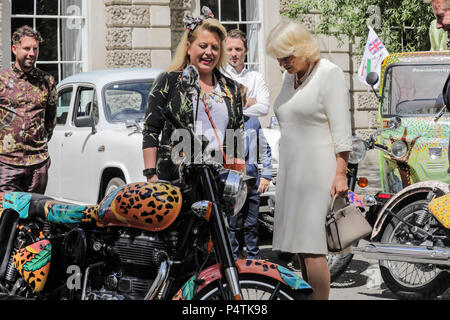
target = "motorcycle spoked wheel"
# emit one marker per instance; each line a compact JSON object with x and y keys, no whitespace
{"x":337,"y":263}
{"x":253,"y":287}
{"x":411,"y":280}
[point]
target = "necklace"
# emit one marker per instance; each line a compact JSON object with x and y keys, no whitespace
{"x":209,"y":98}
{"x":299,"y":81}
{"x":215,"y":95}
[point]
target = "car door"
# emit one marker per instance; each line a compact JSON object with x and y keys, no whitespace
{"x":65,"y":95}
{"x":78,"y":167}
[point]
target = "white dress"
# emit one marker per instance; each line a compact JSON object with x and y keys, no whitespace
{"x":315,"y":125}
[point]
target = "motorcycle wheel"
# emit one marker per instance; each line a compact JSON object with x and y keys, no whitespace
{"x":411,"y":280}
{"x":253,"y":287}
{"x":338,"y":263}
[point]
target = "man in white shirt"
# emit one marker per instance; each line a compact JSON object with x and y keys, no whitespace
{"x":257,"y":103}
{"x":258,"y":100}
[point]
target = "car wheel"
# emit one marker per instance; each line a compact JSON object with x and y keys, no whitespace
{"x":113,"y":184}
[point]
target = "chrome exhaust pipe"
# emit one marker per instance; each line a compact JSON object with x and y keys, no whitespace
{"x":160,"y":280}
{"x":404,"y":253}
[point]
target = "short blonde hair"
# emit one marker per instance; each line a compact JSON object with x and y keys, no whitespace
{"x":290,"y":38}
{"x":181,"y":58}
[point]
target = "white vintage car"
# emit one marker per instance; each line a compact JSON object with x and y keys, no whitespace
{"x":97,"y":142}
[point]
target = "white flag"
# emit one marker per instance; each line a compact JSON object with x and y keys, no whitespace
{"x":374,"y":54}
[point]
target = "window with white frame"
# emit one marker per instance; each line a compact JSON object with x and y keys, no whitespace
{"x":62,"y":26}
{"x":244,"y":15}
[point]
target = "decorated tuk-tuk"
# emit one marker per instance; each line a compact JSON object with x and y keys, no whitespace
{"x":409,"y":88}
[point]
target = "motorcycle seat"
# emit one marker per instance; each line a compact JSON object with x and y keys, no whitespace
{"x":30,"y":205}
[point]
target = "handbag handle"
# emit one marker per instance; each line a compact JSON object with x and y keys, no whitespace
{"x":332,"y":203}
{"x":331,"y":216}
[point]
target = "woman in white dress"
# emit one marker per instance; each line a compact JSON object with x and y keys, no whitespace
{"x":313,"y":111}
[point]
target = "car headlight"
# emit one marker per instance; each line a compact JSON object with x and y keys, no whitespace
{"x":359,"y":151}
{"x":234,"y":191}
{"x":399,"y":149}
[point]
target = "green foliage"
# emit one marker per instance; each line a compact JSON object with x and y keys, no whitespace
{"x":402,"y":25}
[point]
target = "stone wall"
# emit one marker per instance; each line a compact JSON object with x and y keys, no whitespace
{"x":138,"y":33}
{"x":178,"y":10}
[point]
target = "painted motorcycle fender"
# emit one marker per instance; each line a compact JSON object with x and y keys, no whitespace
{"x":440,"y":209}
{"x":33,"y":263}
{"x":415,"y":191}
{"x":195,"y":284}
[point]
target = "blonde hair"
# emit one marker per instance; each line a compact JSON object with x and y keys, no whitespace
{"x":290,"y":38}
{"x":181,"y":58}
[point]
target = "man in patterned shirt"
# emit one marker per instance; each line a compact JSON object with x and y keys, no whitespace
{"x":27,"y":117}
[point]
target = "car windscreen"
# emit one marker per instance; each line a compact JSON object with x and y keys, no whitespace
{"x":127,"y":100}
{"x":412,"y":90}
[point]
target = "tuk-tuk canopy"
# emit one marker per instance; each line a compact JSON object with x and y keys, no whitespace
{"x":412,"y":82}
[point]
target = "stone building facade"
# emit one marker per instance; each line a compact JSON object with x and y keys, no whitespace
{"x":138,"y":33}
{"x":145,"y":33}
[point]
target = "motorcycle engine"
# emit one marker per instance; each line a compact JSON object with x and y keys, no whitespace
{"x":141,"y":256}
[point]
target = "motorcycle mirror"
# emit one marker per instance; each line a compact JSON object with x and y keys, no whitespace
{"x":372,"y":78}
{"x":395,"y":123}
{"x":189,"y":79}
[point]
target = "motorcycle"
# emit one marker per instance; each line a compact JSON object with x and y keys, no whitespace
{"x":410,"y":238}
{"x":151,"y":241}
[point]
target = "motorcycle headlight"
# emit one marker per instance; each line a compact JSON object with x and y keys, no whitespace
{"x":234,"y":191}
{"x":399,"y":149}
{"x":359,"y":151}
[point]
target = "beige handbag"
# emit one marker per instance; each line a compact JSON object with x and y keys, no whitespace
{"x":345,"y":226}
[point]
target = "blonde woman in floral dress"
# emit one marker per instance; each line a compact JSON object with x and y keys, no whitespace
{"x":202,"y":46}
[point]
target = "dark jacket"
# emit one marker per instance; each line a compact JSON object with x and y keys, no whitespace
{"x":168,"y":93}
